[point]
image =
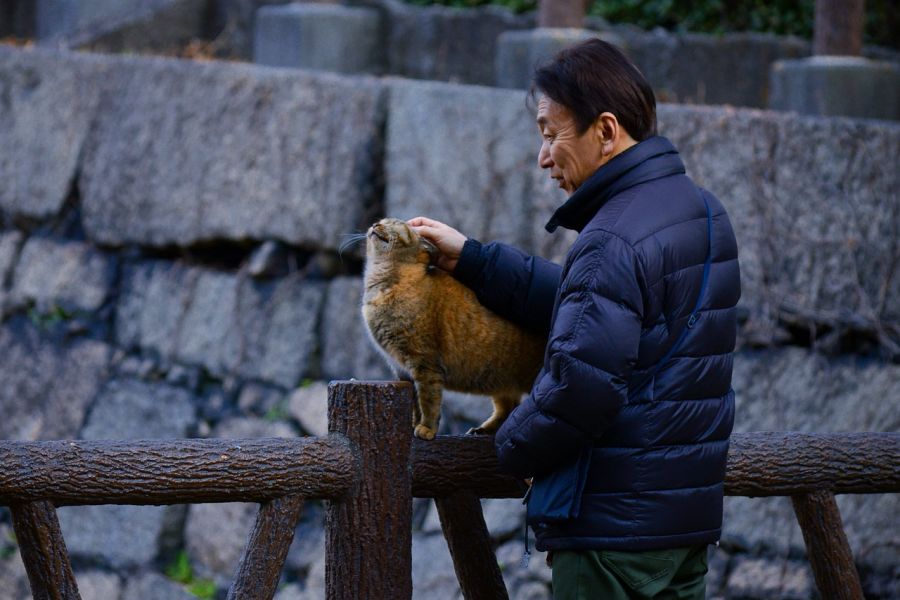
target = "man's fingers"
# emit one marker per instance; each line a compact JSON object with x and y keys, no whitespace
{"x":422,"y":222}
{"x":426,"y":231}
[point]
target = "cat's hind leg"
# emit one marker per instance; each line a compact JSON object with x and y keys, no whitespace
{"x":429,"y":389}
{"x":503,"y":405}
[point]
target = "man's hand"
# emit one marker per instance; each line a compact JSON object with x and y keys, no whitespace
{"x":447,"y":240}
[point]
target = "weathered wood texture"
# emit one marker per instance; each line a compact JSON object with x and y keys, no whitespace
{"x":788,"y":463}
{"x":174,"y":471}
{"x":759,"y":464}
{"x":470,"y":546}
{"x":368,"y":537}
{"x":260,"y":567}
{"x":452,"y":463}
{"x":44,"y":552}
{"x":838,"y":27}
{"x":827,"y":546}
{"x":561,"y":13}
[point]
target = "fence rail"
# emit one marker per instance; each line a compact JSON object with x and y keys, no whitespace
{"x":370,"y":467}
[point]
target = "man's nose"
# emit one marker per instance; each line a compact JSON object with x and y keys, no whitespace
{"x":544,"y":160}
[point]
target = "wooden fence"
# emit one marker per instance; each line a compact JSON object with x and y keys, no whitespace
{"x":369,"y":468}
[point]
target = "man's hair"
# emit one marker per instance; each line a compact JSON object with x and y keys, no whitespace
{"x":594,"y":77}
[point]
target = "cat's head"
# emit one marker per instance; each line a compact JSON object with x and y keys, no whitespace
{"x":393,"y":239}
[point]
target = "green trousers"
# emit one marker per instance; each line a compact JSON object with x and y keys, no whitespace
{"x":604,"y":574}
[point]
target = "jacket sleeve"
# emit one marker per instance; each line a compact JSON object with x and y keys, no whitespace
{"x":592,"y":351}
{"x":514,"y":285}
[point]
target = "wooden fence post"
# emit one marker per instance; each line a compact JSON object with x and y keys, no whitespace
{"x":838,"y":28}
{"x":260,"y":567}
{"x":827,"y":546}
{"x":474,"y":561}
{"x":44,"y":551}
{"x":368,"y":533}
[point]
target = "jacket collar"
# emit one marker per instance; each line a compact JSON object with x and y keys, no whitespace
{"x":651,"y":159}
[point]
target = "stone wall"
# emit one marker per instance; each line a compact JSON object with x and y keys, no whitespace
{"x":169,"y":267}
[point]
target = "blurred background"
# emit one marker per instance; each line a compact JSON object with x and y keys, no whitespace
{"x":179,"y":178}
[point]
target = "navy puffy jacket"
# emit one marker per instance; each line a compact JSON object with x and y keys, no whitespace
{"x":612,"y":310}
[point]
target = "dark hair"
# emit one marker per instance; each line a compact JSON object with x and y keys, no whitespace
{"x":594,"y":77}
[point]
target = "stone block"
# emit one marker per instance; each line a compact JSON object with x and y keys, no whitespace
{"x":837,"y":86}
{"x":226,"y":323}
{"x":432,"y":569}
{"x":309,"y":405}
{"x":447,"y":44}
{"x":519,"y":53}
{"x":48,"y":103}
{"x":159,"y":26}
{"x":347,"y":350}
{"x":185,"y":152}
{"x":70,"y":275}
{"x":216,"y":535}
{"x":763,"y":578}
{"x":14,"y":578}
{"x":308,"y":546}
{"x":98,"y":585}
{"x":130,"y":409}
{"x":56,"y":18}
{"x":504,"y":517}
{"x":797,"y":390}
{"x":152,"y":299}
{"x":153,"y":586}
{"x":468,"y":156}
{"x":126,"y":536}
{"x":326,"y":37}
{"x":315,"y":580}
{"x":262,"y":401}
{"x":48,"y":385}
{"x":291,"y":591}
{"x":120,"y":25}
{"x":814,"y":216}
{"x":709,"y":69}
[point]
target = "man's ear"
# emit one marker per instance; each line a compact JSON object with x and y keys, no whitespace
{"x":606,"y":128}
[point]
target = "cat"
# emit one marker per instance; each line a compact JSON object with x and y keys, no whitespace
{"x":432,"y":327}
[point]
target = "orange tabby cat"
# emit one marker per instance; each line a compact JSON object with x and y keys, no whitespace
{"x":431,"y":326}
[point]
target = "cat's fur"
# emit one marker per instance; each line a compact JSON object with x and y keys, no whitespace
{"x":432,"y":327}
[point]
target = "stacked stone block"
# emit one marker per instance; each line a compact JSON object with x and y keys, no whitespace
{"x":131,"y":309}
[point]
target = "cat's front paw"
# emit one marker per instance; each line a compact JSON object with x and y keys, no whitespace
{"x":424,"y":432}
{"x":479,"y":431}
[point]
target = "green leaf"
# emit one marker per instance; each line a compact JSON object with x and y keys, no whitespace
{"x":180,"y":569}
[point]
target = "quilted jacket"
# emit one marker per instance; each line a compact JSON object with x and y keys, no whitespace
{"x":612,"y":310}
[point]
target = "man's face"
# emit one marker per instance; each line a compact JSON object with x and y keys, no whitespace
{"x":570,"y":156}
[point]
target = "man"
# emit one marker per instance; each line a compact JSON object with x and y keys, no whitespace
{"x":655,"y":427}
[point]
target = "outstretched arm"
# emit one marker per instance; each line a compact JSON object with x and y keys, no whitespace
{"x":513,"y":284}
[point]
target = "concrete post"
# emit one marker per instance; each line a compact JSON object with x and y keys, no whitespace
{"x":325,"y":37}
{"x":837,"y":81}
{"x":520,"y":52}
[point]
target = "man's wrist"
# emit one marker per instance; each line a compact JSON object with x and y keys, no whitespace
{"x":470,"y":263}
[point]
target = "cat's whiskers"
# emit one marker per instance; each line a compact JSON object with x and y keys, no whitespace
{"x":352,"y":239}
